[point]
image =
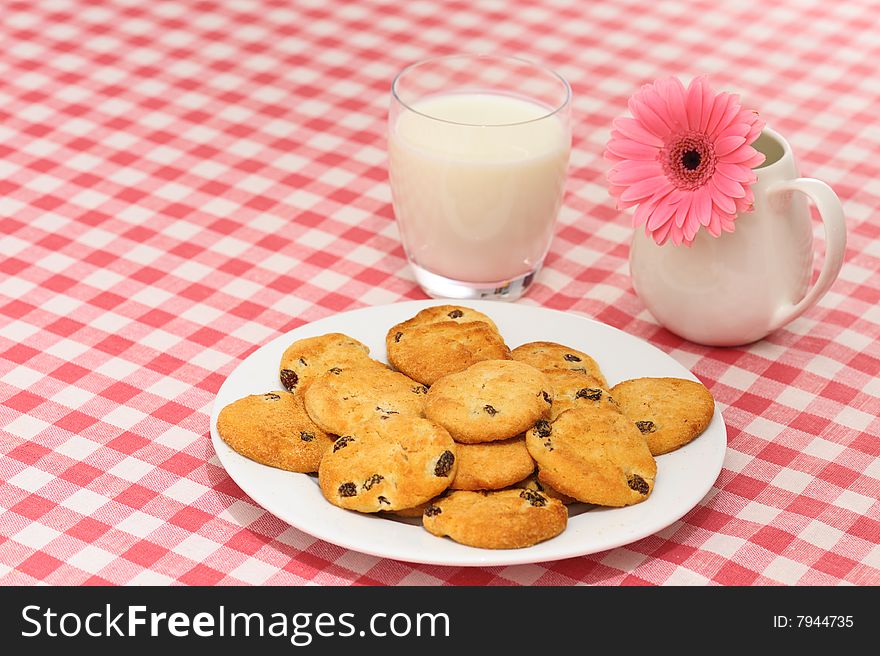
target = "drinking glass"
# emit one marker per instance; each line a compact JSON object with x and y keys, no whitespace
{"x":478,"y":150}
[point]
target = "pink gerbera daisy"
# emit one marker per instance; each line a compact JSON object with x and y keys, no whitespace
{"x":684,"y":158}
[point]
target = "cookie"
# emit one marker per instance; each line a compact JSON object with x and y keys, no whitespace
{"x":572,"y":389}
{"x":410,"y":513}
{"x":506,"y":519}
{"x":492,"y":465}
{"x":550,"y":355}
{"x":490,"y":400}
{"x":440,"y":313}
{"x":669,"y":412}
{"x":274,"y":429}
{"x":309,"y":358}
{"x":594,"y":454}
{"x":340,"y":400}
{"x":388,"y":464}
{"x":532,"y":483}
{"x":428,"y":351}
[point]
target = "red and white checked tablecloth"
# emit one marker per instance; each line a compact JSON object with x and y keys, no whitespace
{"x":182,"y":181}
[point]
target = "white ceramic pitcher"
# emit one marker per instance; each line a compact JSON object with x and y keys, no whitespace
{"x":741,"y":286}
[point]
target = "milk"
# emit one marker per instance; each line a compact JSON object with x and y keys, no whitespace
{"x":476,"y":193}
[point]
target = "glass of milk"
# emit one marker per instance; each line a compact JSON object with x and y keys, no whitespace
{"x":478,"y":150}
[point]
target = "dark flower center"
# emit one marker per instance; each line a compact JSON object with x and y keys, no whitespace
{"x":690,"y":159}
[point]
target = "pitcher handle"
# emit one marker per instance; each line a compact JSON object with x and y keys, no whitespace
{"x":831,"y":212}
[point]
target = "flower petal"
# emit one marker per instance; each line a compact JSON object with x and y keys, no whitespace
{"x":736,"y":172}
{"x":719,"y":108}
{"x":722,"y":201}
{"x":701,"y":207}
{"x":661,"y":213}
{"x":740,"y":156}
{"x":675,"y":95}
{"x":643,"y":188}
{"x":691,"y":228}
{"x":642,"y":213}
{"x":708,"y":103}
{"x":756,"y":160}
{"x":730,"y":113}
{"x":714,"y":226}
{"x":615,"y":190}
{"x":648,"y":117}
{"x":694,"y":105}
{"x":728,"y":187}
{"x":631,"y":171}
{"x":682,"y":210}
{"x":727,"y":145}
{"x":744,"y":204}
{"x":633,"y":129}
{"x":675,"y":196}
{"x":662,"y":234}
{"x":735,"y":130}
{"x":755,"y":130}
{"x":629,"y":149}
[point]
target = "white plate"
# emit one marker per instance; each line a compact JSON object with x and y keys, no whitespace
{"x":683,"y":476}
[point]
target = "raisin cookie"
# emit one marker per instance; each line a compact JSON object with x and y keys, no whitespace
{"x":506,"y":519}
{"x":669,"y":412}
{"x":550,"y":355}
{"x":594,"y":454}
{"x":309,"y":358}
{"x":428,"y":351}
{"x":572,"y":389}
{"x":441,"y":313}
{"x":389,"y":464}
{"x":492,"y":465}
{"x":274,"y":429}
{"x":340,"y":400}
{"x":412,"y":512}
{"x":490,"y":400}
{"x":532,"y":483}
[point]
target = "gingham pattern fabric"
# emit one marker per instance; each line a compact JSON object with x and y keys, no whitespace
{"x":182,"y":181}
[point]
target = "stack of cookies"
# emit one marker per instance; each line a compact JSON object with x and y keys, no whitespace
{"x":486,"y":444}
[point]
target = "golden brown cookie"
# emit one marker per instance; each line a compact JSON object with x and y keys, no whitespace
{"x":388,"y":464}
{"x":594,"y":454}
{"x":490,"y":400}
{"x":309,"y":358}
{"x":340,"y":401}
{"x":572,"y":389}
{"x":428,"y":351}
{"x":492,"y":465}
{"x":441,"y":313}
{"x":505,"y":519}
{"x":669,"y":412}
{"x":550,"y":355}
{"x":274,"y":429}
{"x":413,"y":512}
{"x":532,"y":483}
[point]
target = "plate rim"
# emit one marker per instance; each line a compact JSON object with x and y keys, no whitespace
{"x":482,"y":557}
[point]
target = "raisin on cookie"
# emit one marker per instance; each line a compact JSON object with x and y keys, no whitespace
{"x":669,"y":412}
{"x":309,"y":358}
{"x":505,"y":519}
{"x":532,"y":483}
{"x":274,"y":429}
{"x":490,"y":400}
{"x":340,"y":401}
{"x":550,"y":355}
{"x":391,"y":464}
{"x":595,"y":455}
{"x":572,"y":389}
